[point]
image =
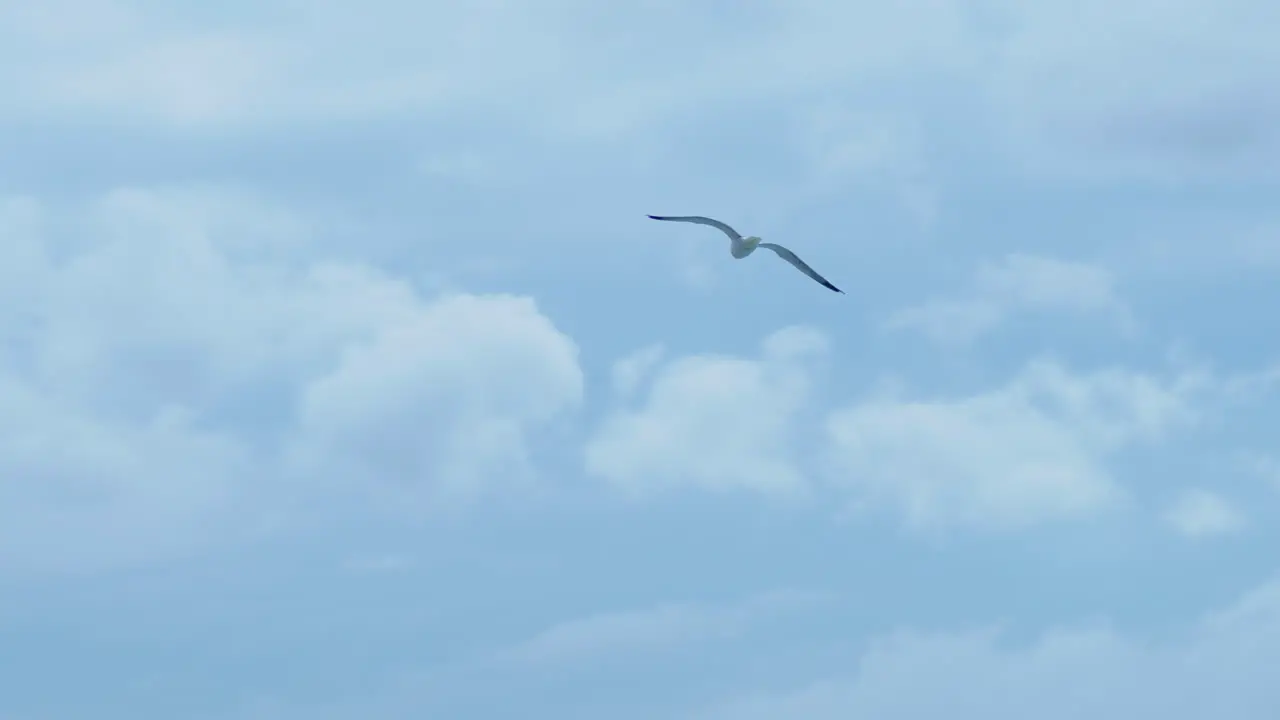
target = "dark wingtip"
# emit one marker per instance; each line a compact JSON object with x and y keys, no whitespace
{"x":654,"y":217}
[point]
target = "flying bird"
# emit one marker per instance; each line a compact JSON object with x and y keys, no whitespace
{"x":740,"y":247}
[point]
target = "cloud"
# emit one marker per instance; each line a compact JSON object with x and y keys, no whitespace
{"x":180,"y":369}
{"x":1262,"y":466}
{"x":635,"y":658}
{"x":224,"y":382}
{"x":572,"y":73}
{"x":873,"y":149}
{"x":560,"y":62}
{"x":1222,"y":668}
{"x":1036,"y":449}
{"x":713,"y":422}
{"x":1031,"y":451}
{"x":267,"y":63}
{"x":662,"y":628}
{"x":1017,"y":284}
{"x":949,"y":321}
{"x":1199,"y":513}
{"x":440,"y":400}
{"x":1075,"y":89}
{"x":1164,"y":91}
{"x":630,"y":371}
{"x":79,"y":491}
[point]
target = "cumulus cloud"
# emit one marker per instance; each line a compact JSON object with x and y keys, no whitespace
{"x":713,"y":422}
{"x":1037,"y":448}
{"x":1017,"y":284}
{"x":177,"y":365}
{"x":1033,"y":450}
{"x":440,"y":399}
{"x":1223,"y":668}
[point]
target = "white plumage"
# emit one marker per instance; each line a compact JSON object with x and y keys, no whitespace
{"x":740,"y":247}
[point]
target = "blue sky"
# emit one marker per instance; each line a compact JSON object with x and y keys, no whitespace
{"x":342,"y":375}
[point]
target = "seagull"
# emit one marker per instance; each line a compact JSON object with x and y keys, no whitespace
{"x":740,"y":247}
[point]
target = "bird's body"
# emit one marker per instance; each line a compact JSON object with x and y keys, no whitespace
{"x":743,"y":247}
{"x":740,"y":247}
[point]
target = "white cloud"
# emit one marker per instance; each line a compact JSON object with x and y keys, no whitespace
{"x":1262,"y":466}
{"x":79,"y":491}
{"x":635,"y":638}
{"x":1031,"y":451}
{"x":567,"y":68}
{"x":949,"y":322}
{"x":1169,"y":91}
{"x":268,"y":62}
{"x":1039,"y":282}
{"x":1034,"y":450}
{"x":622,"y":632}
{"x":1223,"y":669}
{"x":714,"y":422}
{"x":170,"y":357}
{"x":1160,"y":90}
{"x":665,"y":627}
{"x":1017,"y":284}
{"x":882,"y":149}
{"x":377,"y":564}
{"x":440,"y":400}
{"x":1199,"y":513}
{"x":630,"y":371}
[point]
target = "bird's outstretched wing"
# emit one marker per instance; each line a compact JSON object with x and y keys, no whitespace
{"x":790,"y":257}
{"x":699,"y":220}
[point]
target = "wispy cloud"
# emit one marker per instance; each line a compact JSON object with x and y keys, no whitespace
{"x":1019,"y":284}
{"x":1034,"y":450}
{"x":1065,"y":672}
{"x":1199,"y":513}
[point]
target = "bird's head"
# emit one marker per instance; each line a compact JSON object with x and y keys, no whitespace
{"x":751,"y":241}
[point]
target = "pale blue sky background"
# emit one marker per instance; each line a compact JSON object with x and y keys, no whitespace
{"x":343,"y":377}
